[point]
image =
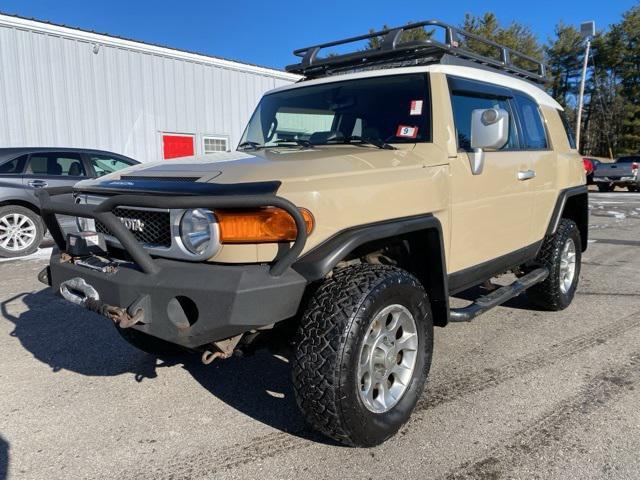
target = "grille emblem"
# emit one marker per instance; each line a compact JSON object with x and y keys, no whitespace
{"x":133,"y":224}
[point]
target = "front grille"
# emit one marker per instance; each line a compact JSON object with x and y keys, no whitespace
{"x":155,"y":226}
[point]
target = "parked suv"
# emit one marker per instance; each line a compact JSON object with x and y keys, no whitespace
{"x":359,"y":201}
{"x":25,"y":170}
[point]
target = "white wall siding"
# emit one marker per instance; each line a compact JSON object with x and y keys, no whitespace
{"x":55,"y":91}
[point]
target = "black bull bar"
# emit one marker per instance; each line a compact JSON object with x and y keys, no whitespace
{"x":103,"y":213}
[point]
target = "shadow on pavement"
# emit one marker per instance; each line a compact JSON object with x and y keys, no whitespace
{"x":4,"y":458}
{"x":67,"y":337}
{"x":258,"y":386}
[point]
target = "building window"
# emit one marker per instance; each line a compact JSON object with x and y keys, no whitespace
{"x":215,"y":144}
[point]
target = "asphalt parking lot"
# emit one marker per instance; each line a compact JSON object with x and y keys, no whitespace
{"x":515,"y":394}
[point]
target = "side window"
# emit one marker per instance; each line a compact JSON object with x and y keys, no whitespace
{"x":105,"y":164}
{"x":14,"y":166}
{"x":463,"y":106}
{"x":568,"y":129}
{"x":534,"y":136}
{"x":55,"y":164}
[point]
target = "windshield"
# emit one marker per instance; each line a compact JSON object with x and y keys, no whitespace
{"x":387,"y":109}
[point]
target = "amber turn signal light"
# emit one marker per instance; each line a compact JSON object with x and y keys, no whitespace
{"x":263,"y":225}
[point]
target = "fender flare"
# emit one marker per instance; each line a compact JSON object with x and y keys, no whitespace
{"x":318,"y":262}
{"x":561,"y":203}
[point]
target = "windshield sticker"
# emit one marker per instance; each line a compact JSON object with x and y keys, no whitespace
{"x":407,"y":132}
{"x":416,"y":107}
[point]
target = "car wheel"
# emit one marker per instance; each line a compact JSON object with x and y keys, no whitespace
{"x":605,"y":187}
{"x":633,"y":188}
{"x":561,"y":253}
{"x":363,"y":353}
{"x":21,"y":231}
{"x":149,"y":344}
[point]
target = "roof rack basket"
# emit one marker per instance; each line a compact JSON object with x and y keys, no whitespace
{"x":458,"y":48}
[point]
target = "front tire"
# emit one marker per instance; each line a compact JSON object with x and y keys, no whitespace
{"x":363,"y":353}
{"x":605,"y":187}
{"x":633,"y":188}
{"x":561,"y":254}
{"x":21,"y":231}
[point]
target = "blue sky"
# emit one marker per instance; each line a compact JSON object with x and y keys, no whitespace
{"x":265,"y":33}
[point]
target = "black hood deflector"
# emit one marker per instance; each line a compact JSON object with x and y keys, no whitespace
{"x":177,"y":187}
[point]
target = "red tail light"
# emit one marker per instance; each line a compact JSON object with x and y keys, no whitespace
{"x":588,"y":165}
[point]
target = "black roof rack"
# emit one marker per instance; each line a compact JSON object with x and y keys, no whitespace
{"x":459,"y":48}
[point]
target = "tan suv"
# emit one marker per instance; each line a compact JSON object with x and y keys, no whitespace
{"x":358,"y":202}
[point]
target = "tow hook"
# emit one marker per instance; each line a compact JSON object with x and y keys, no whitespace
{"x":221,"y":349}
{"x":208,"y":356}
{"x":79,"y":292}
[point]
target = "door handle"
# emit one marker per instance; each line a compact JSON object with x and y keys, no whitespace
{"x":37,"y":183}
{"x":526,"y":175}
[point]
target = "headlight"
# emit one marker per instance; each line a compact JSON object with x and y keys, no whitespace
{"x":197,"y":230}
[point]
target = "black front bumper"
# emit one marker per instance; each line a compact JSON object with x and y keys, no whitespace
{"x":228,"y":300}
{"x":190,"y":304}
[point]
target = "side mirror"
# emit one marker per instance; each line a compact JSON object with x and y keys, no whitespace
{"x":489,"y":130}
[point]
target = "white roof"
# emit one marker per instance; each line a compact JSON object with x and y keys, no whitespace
{"x":496,"y":78}
{"x":13,"y":21}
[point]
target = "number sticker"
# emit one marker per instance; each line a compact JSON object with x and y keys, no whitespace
{"x":406,"y":131}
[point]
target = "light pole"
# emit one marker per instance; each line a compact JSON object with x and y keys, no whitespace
{"x":587,"y":30}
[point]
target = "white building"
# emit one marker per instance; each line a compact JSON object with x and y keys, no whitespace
{"x":64,"y":87}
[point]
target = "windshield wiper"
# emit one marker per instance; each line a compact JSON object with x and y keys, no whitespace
{"x":248,"y":145}
{"x":376,"y":142}
{"x":297,"y":141}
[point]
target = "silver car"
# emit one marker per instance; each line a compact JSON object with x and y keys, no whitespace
{"x":24,"y":170}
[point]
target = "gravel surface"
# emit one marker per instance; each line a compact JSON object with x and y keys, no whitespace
{"x":517,"y":393}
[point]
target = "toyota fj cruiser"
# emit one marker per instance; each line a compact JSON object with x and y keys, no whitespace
{"x":359,"y":200}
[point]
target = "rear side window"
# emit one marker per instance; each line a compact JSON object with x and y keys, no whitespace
{"x":56,"y":164}
{"x":534,"y":136}
{"x":14,"y":166}
{"x":463,"y":106}
{"x":568,"y":129}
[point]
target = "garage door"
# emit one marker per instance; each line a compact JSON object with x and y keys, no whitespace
{"x":175,"y":146}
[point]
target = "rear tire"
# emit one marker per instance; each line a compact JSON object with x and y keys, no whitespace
{"x":148,"y":343}
{"x":605,"y":187}
{"x":21,"y":231}
{"x":362,"y":328}
{"x":633,"y":188}
{"x":561,"y":253}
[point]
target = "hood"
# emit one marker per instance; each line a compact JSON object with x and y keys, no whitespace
{"x":269,"y":165}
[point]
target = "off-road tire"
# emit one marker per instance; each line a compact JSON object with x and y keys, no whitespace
{"x":328,"y":343}
{"x":548,"y":295}
{"x":605,"y":187}
{"x":148,"y":343}
{"x":39,"y":230}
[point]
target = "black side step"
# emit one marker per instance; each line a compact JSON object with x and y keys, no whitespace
{"x":498,"y":297}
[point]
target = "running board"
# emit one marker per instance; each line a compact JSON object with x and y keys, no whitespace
{"x":498,"y":297}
